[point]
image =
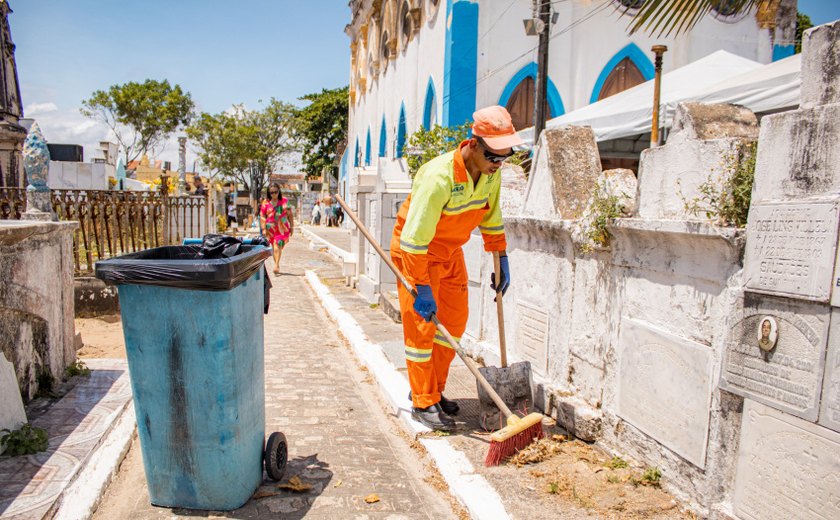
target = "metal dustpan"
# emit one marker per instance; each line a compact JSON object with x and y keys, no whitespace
{"x":511,"y":382}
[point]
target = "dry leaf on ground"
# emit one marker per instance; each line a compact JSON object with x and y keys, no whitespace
{"x":263,"y":494}
{"x":538,"y":451}
{"x":338,"y":484}
{"x":295,"y":484}
{"x":372,"y":498}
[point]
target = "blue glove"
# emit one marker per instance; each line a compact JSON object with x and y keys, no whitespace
{"x":424,"y":303}
{"x":504,"y":283}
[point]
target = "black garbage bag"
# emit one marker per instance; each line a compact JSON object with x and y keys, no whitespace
{"x":187,"y":267}
{"x":220,"y":246}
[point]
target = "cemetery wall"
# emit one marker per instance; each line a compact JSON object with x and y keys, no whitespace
{"x":708,"y":351}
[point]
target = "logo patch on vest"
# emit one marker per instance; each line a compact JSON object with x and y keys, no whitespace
{"x":457,"y":189}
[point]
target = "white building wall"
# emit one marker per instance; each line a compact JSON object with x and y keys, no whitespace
{"x":586,"y":37}
{"x":80,"y":176}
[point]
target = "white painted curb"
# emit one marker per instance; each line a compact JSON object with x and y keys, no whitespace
{"x":472,"y":489}
{"x":337,"y":252}
{"x":81,"y":498}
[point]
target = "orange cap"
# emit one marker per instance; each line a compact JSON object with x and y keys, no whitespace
{"x":495,"y":127}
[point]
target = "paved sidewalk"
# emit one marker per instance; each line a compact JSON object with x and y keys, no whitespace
{"x":341,"y":439}
{"x":32,"y":487}
{"x":339,"y":237}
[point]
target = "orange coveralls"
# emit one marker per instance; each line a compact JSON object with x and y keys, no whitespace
{"x":444,"y":207}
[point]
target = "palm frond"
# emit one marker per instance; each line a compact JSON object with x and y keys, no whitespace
{"x":667,"y":17}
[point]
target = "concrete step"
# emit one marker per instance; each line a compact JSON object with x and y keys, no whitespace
{"x":390,"y":305}
{"x":89,"y":430}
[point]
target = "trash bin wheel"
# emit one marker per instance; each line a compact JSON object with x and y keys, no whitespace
{"x":276,"y":455}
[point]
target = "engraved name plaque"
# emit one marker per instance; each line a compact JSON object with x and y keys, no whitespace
{"x":532,"y":336}
{"x":789,"y":377}
{"x":665,"y":387}
{"x":830,"y":408}
{"x":787,"y":468}
{"x":791,"y":249}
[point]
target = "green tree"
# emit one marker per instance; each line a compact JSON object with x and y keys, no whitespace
{"x":321,"y":127}
{"x":665,"y":17}
{"x":803,"y":23}
{"x":245,"y":145}
{"x":424,"y":145}
{"x":141,"y":115}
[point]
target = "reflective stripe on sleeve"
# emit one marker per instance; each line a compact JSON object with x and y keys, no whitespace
{"x":492,"y":229}
{"x":413,"y":248}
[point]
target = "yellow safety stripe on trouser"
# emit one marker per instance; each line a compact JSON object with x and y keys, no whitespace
{"x":418,"y":355}
{"x":440,"y":339}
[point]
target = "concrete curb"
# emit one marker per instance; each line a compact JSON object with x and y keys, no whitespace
{"x":471,"y":489}
{"x":337,"y":252}
{"x":81,"y":498}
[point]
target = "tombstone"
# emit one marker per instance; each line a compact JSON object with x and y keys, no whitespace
{"x":830,"y":405}
{"x":788,"y":376}
{"x":786,"y":468}
{"x":12,"y":414}
{"x":665,"y":388}
{"x":565,"y":169}
{"x":704,"y":138}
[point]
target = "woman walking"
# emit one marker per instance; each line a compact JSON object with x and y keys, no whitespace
{"x":277,"y":222}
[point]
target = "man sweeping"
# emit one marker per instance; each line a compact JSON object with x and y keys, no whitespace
{"x":451,"y":195}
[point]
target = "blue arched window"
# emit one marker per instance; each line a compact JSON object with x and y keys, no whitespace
{"x":636,"y":58}
{"x":430,"y":107}
{"x":518,"y":97}
{"x":401,"y":132}
{"x":383,"y":138}
{"x":367,"y":149}
{"x":358,"y":154}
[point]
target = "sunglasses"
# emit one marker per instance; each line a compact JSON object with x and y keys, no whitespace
{"x":494,"y":157}
{"x":274,"y":192}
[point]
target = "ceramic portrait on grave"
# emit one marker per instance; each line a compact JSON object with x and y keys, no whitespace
{"x":767,"y":333}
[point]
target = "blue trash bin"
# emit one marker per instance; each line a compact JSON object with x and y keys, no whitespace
{"x":194,"y":341}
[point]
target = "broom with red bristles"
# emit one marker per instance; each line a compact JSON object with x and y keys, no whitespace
{"x":519,"y":431}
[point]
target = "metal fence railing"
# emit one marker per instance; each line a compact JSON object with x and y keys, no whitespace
{"x":112,"y":223}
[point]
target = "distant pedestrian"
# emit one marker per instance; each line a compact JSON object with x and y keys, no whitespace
{"x":200,"y":189}
{"x":335,"y":210}
{"x":316,"y":213}
{"x":277,"y":222}
{"x":231,"y":214}
{"x":339,"y":215}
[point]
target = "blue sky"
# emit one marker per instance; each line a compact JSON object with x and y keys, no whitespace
{"x":221,"y":52}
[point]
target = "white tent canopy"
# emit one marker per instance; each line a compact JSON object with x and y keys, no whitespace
{"x":720,"y":77}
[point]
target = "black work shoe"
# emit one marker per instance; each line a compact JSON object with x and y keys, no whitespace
{"x":433,"y":417}
{"x":448,"y":406}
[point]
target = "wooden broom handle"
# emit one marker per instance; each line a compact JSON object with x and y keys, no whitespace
{"x":500,"y":311}
{"x":410,"y":288}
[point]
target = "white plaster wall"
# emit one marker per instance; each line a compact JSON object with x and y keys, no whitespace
{"x":402,"y":80}
{"x":577,"y":56}
{"x":80,"y":176}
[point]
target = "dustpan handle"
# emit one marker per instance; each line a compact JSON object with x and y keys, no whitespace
{"x":410,"y":288}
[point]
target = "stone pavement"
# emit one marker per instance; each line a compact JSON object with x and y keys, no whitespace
{"x":32,"y":487}
{"x":339,"y":237}
{"x":340,"y":438}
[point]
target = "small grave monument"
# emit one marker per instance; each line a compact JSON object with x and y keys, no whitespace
{"x":36,"y":164}
{"x":12,"y":414}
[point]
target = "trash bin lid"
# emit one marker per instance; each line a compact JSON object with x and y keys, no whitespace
{"x":181,"y":267}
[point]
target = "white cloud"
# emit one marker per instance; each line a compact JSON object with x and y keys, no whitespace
{"x":39,"y":108}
